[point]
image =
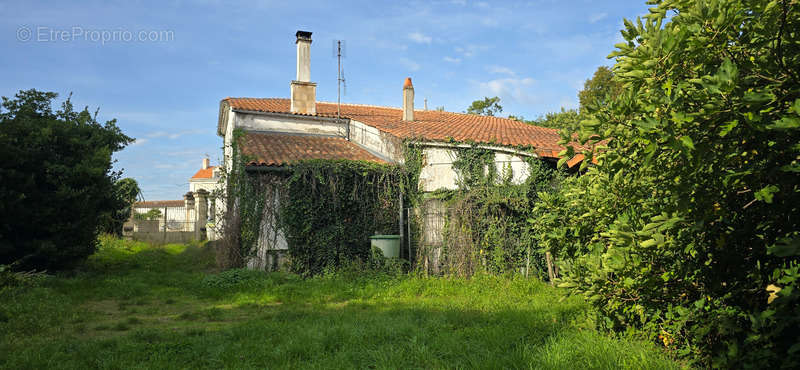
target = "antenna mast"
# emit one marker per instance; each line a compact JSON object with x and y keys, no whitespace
{"x":339,"y":82}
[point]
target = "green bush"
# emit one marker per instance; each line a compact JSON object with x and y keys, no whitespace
{"x":687,"y":227}
{"x":57,"y":181}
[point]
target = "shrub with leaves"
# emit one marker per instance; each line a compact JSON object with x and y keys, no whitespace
{"x":57,"y":181}
{"x":687,"y":227}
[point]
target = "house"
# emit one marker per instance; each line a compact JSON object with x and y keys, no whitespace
{"x":207,"y":178}
{"x":279,"y":131}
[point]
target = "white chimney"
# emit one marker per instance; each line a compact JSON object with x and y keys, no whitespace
{"x":408,"y":100}
{"x":303,"y":91}
{"x":205,"y":163}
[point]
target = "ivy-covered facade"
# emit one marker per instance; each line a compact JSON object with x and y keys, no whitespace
{"x":407,"y":153}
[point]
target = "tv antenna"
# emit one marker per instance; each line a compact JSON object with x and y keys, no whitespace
{"x":339,"y":50}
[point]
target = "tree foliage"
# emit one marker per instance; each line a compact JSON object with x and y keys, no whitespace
{"x":566,"y":119}
{"x":599,"y":89}
{"x":126,"y":191}
{"x":57,"y":181}
{"x":485,"y":107}
{"x":687,"y":227}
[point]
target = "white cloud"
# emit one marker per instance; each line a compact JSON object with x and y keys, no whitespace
{"x":452,"y":60}
{"x":139,"y":142}
{"x":569,"y":103}
{"x":410,"y":64}
{"x":174,"y":135}
{"x":597,"y":17}
{"x":501,"y":70}
{"x":513,"y":89}
{"x":420,"y":38}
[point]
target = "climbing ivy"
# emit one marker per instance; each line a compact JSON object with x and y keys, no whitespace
{"x":488,"y":218}
{"x":333,"y":206}
{"x":475,"y":167}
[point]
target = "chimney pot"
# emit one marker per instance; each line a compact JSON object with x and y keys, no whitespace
{"x":408,"y":100}
{"x":205,"y":163}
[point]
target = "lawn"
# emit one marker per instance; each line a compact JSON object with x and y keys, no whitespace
{"x":137,"y":306}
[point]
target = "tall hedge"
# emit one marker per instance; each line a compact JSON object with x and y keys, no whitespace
{"x":56,"y":181}
{"x":687,"y":228}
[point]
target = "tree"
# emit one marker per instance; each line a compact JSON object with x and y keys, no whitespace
{"x":565,"y":119}
{"x":485,"y":107}
{"x":126,"y":191}
{"x":687,"y":229}
{"x":57,"y":181}
{"x":599,"y":89}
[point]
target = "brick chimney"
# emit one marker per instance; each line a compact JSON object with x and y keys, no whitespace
{"x":206,"y":163}
{"x":304,"y":92}
{"x":408,"y":100}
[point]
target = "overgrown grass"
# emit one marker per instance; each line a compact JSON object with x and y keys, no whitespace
{"x":137,"y":306}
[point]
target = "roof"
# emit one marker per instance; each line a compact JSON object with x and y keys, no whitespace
{"x":427,"y":125}
{"x":159,"y":203}
{"x":207,"y":173}
{"x":271,"y":149}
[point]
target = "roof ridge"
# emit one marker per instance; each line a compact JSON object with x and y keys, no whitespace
{"x":363,"y":105}
{"x":399,"y":108}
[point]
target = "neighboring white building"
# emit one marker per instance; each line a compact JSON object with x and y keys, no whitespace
{"x":208,"y":178}
{"x":279,"y":131}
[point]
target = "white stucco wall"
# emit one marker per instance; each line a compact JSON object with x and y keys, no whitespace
{"x":437,"y":170}
{"x":520,"y":170}
{"x":300,"y":125}
{"x":438,"y":174}
{"x":178,"y":218}
{"x":385,"y":146}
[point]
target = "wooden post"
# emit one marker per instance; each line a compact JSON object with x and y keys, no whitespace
{"x":528,"y":262}
{"x":401,"y":222}
{"x":164,"y":240}
{"x":549,"y":259}
{"x":410,"y":256}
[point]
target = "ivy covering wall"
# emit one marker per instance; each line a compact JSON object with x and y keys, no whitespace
{"x":325,"y":209}
{"x":332,"y":207}
{"x":488,"y":218}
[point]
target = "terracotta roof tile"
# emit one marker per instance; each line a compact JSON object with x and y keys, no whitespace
{"x":428,"y":125}
{"x":271,"y":149}
{"x":204,"y":173}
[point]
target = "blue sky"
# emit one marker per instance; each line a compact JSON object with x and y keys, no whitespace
{"x":166,"y":64}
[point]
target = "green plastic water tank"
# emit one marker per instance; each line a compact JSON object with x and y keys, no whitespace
{"x":388,"y":244}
